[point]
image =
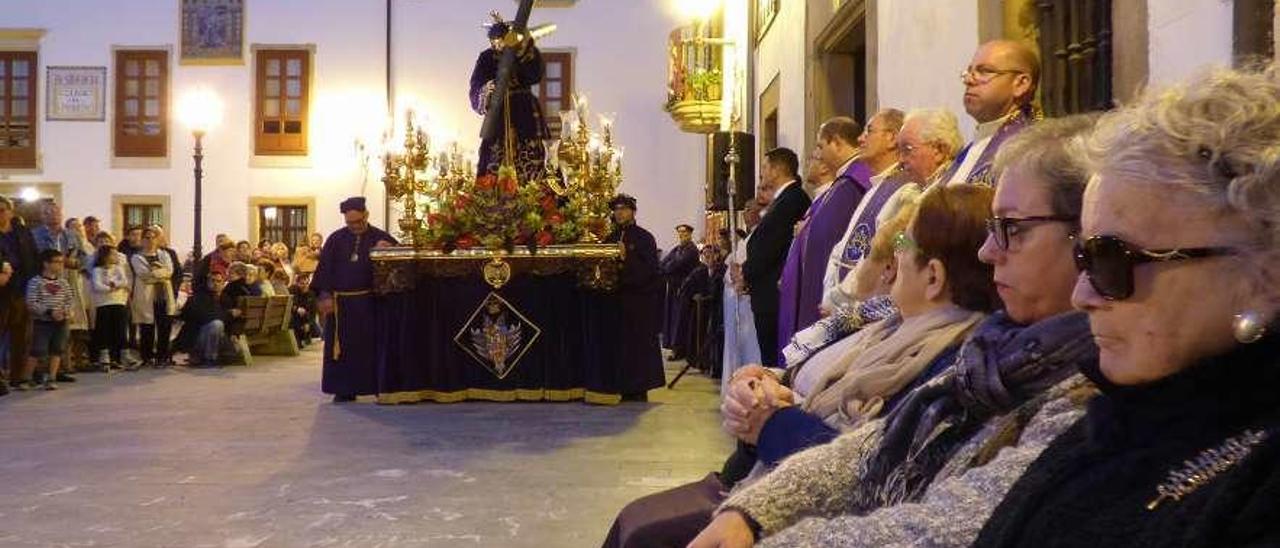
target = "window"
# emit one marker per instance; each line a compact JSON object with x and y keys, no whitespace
{"x":142,"y":214}
{"x":1254,"y":38}
{"x":283,"y":89}
{"x":283,"y":223}
{"x":556,"y":89}
{"x":1075,"y":46}
{"x":18,"y":109}
{"x":142,"y":103}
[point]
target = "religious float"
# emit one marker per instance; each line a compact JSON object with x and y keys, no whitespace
{"x":505,"y":289}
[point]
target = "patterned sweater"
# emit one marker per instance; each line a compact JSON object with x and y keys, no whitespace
{"x":45,"y":295}
{"x":803,"y":502}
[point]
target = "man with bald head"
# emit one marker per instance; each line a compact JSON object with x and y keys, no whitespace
{"x":999,"y":86}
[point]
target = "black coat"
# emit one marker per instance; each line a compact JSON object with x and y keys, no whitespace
{"x":230,"y":299}
{"x":202,"y":308}
{"x":26,"y":264}
{"x":767,"y":249}
{"x":176,"y":278}
{"x":1092,"y":486}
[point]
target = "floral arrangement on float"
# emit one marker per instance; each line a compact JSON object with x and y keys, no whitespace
{"x":452,"y":208}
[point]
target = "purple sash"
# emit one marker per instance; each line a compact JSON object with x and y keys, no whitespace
{"x":981,"y":172}
{"x":864,"y":227}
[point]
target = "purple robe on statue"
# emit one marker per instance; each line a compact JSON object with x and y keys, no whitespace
{"x":524,"y":114}
{"x":824,"y":226}
{"x":345,"y":273}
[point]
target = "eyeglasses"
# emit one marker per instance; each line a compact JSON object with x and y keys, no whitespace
{"x":1109,"y":262}
{"x":1004,"y":229}
{"x":903,"y":242}
{"x":982,"y":75}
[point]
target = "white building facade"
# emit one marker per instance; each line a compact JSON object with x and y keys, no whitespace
{"x":616,"y":58}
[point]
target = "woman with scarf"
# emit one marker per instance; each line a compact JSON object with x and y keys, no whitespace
{"x":942,"y":292}
{"x":1179,"y":253}
{"x":956,"y":444}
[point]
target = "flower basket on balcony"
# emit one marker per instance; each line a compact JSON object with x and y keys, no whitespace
{"x":695,"y":116}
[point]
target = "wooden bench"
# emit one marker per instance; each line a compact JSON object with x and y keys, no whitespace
{"x":266,"y":327}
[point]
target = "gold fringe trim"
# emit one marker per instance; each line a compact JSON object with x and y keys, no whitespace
{"x":521,"y":394}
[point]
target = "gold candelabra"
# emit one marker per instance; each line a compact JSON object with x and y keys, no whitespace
{"x":585,"y":167}
{"x":404,"y":175}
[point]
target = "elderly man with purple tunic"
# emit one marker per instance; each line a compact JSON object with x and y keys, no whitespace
{"x":822,"y":226}
{"x":878,"y":149}
{"x":344,"y":282}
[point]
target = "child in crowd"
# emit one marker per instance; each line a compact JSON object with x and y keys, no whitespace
{"x":49,"y":298}
{"x":110,"y":296}
{"x":304,"y":323}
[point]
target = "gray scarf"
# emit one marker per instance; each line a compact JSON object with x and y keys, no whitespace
{"x":1000,"y":367}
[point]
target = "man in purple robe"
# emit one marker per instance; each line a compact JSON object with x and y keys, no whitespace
{"x":675,"y":267}
{"x":344,"y":283}
{"x":878,"y":149}
{"x":523,"y":123}
{"x":822,"y":226}
{"x":640,"y":296}
{"x":999,"y":86}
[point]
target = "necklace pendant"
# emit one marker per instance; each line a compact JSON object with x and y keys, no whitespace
{"x":355,"y":257}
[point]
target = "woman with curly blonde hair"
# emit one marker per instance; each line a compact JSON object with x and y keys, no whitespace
{"x":1179,"y":256}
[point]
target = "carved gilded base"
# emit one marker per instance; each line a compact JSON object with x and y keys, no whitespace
{"x":397,"y":269}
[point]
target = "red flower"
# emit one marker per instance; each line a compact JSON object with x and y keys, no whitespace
{"x":486,"y":181}
{"x":545,"y":238}
{"x":467,"y":241}
{"x":508,"y":186}
{"x":555,"y":219}
{"x":462,"y":201}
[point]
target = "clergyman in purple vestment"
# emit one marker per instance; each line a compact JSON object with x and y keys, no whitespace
{"x":344,"y":283}
{"x":823,"y":227}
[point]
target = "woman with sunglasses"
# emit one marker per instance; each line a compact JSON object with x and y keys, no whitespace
{"x":941,"y":291}
{"x":1179,"y":253}
{"x":956,"y":444}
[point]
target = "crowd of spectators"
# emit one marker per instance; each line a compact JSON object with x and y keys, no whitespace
{"x":74,"y":298}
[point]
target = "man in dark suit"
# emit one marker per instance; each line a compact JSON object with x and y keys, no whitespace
{"x":768,"y":246}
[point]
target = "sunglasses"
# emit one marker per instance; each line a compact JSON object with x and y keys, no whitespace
{"x":1109,"y":262}
{"x":1002,"y":229}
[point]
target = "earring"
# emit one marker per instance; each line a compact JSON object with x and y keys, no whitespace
{"x":1248,"y":327}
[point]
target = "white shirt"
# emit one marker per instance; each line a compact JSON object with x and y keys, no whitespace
{"x":981,"y":139}
{"x":782,"y":189}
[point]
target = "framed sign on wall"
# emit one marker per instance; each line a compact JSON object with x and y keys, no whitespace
{"x":76,"y":94}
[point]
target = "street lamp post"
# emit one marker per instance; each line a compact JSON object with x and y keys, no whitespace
{"x":196,"y":250}
{"x":201,"y":110}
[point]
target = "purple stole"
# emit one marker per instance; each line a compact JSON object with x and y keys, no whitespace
{"x":828,"y":216}
{"x":864,"y":227}
{"x":981,"y":173}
